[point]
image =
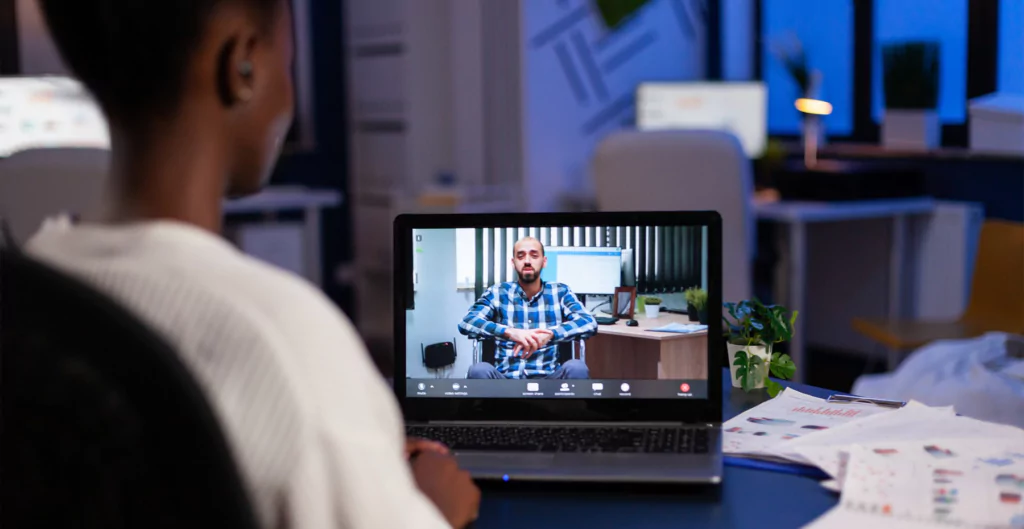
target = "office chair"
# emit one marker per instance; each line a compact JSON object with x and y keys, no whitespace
{"x":103,"y":426}
{"x":674,"y":170}
{"x":484,"y":350}
{"x":996,"y":303}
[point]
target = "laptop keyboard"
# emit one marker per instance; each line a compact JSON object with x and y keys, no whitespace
{"x":567,"y":439}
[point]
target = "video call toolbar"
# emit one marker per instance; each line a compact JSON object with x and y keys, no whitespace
{"x":554,"y":388}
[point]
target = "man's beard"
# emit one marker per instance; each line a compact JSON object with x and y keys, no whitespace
{"x":529,"y":276}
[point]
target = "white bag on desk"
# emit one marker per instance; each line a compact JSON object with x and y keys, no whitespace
{"x":981,"y":378}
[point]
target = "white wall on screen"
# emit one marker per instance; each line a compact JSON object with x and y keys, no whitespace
{"x":440,"y":306}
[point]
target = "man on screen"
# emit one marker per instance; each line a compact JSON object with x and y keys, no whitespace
{"x":528,"y":318}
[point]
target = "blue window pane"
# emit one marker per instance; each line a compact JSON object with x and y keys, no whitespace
{"x":942,"y":21}
{"x":825,"y":30}
{"x":1011,"y":46}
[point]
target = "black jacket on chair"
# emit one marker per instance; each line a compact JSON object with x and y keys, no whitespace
{"x":102,"y":424}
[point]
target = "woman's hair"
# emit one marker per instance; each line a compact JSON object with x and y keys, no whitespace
{"x":133,"y":54}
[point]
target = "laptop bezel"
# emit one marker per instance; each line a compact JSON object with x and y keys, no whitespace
{"x":422,"y":409}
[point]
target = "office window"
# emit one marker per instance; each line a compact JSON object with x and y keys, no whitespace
{"x":825,"y":30}
{"x":1011,"y":46}
{"x":942,"y":21}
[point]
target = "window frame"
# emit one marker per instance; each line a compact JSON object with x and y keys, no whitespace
{"x":982,"y":66}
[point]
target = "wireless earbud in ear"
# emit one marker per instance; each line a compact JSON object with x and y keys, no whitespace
{"x":246,"y":69}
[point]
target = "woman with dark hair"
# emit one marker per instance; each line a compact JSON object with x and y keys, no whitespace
{"x":198,"y":97}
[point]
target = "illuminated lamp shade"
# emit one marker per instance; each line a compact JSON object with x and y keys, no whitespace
{"x":813,"y":106}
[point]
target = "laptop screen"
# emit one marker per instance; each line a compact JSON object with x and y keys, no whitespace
{"x":557,"y":312}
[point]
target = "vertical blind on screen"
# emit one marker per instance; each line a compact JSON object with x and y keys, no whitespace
{"x":665,"y":258}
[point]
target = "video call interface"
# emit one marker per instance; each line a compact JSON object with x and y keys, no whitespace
{"x":557,"y":312}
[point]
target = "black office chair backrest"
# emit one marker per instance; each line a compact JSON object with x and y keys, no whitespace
{"x":489,"y":348}
{"x":102,"y":425}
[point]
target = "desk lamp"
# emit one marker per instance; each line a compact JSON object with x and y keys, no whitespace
{"x":812,"y":109}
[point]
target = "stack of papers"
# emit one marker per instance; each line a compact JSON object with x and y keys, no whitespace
{"x":912,"y":467}
{"x":765,"y":431}
{"x":684,"y":328}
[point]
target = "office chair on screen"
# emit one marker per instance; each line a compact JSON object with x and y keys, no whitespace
{"x":103,"y":426}
{"x":684,"y":170}
{"x":484,"y":350}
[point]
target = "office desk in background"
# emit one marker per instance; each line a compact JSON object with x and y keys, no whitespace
{"x":797,"y":215}
{"x":748,"y":498}
{"x":618,"y":351}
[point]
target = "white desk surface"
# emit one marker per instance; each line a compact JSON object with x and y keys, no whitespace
{"x":644,"y":323}
{"x":283,"y":198}
{"x":800,"y":211}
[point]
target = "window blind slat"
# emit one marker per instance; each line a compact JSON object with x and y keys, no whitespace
{"x":504,"y":254}
{"x":478,"y":286}
{"x":491,"y":243}
{"x":641,"y":254}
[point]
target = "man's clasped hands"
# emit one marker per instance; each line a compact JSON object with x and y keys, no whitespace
{"x":529,"y":341}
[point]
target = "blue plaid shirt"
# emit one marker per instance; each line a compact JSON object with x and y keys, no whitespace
{"x":505,"y":305}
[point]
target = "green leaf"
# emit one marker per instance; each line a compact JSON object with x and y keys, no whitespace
{"x":773,"y":387}
{"x":748,"y":380}
{"x":783,"y":367}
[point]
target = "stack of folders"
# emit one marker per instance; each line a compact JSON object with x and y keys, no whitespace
{"x":906,"y":467}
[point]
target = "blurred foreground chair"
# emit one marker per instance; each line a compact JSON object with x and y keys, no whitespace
{"x":684,"y":170}
{"x":996,"y":302}
{"x":103,"y":426}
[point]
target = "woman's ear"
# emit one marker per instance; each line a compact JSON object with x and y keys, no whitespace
{"x":236,"y":71}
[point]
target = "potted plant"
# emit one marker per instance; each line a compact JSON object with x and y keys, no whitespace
{"x":652,"y":306}
{"x":911,"y":85}
{"x":751,"y":333}
{"x":690,"y":294}
{"x":700,"y":305}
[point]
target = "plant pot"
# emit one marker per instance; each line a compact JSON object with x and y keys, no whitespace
{"x":913,"y":130}
{"x":758,"y":350}
{"x":652,"y":310}
{"x":702,"y":316}
{"x":691,"y":311}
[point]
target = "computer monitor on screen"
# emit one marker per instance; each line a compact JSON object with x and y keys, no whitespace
{"x":592,"y":270}
{"x":737,"y":107}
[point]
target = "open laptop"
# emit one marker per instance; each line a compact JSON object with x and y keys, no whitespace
{"x":603,"y":403}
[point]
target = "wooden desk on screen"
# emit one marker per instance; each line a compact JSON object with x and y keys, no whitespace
{"x":618,"y":351}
